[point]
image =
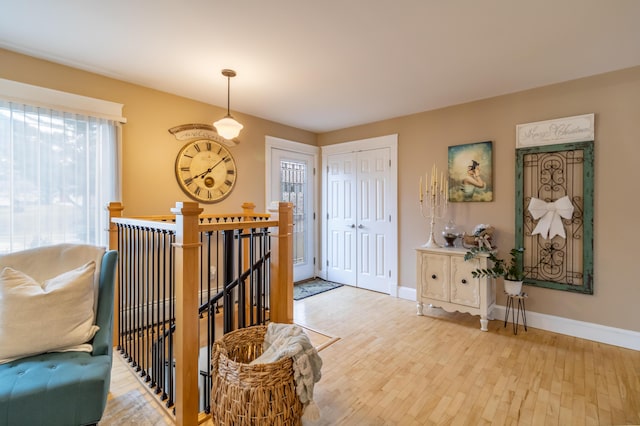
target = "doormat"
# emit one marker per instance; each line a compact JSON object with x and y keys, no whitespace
{"x":313,"y":287}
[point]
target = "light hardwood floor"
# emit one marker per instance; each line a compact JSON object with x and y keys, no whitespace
{"x":391,"y":367}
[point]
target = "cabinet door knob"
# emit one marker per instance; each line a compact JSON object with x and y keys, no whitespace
{"x":464,"y":281}
{"x":434,"y":276}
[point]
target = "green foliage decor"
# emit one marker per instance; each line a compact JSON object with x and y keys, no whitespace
{"x":512,"y":269}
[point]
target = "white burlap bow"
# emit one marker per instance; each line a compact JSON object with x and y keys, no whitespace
{"x":551,"y":215}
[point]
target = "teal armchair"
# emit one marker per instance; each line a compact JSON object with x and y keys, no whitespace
{"x":66,"y":388}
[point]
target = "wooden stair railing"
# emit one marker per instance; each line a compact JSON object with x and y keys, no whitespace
{"x":188,"y":224}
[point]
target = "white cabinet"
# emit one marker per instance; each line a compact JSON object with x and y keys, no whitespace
{"x":445,"y":281}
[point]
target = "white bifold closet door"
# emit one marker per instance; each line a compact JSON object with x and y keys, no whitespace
{"x":358,"y":219}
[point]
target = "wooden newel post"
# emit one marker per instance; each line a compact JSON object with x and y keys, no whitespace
{"x":281,"y":299}
{"x":248,"y":210}
{"x":115,"y":210}
{"x":187,"y":267}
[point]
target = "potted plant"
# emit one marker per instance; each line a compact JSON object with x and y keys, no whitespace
{"x":511,"y":270}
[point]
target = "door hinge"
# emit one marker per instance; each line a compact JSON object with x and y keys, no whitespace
{"x":389,"y":273}
{"x":389,"y":218}
{"x":314,"y":171}
{"x":389,"y":163}
{"x":314,"y":215}
{"x":327,"y":263}
{"x":314,"y":261}
{"x":327,"y":216}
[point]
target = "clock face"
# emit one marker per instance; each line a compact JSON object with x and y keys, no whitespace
{"x":205,"y":171}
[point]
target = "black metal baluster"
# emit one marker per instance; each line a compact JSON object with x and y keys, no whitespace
{"x":266,"y":276}
{"x":258,"y":282}
{"x":227,"y":301}
{"x":138,"y":306}
{"x":157,"y":311}
{"x":129,"y":312}
{"x":218,"y":268}
{"x":171,"y":326}
{"x":152,"y":325}
{"x":121,"y":268}
{"x":241,"y":284}
{"x":252,"y":281}
{"x":210,"y":327}
{"x":162,"y":335}
{"x":202,"y":272}
{"x":144,"y":305}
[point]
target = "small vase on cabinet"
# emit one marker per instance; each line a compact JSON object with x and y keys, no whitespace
{"x":451,"y":234}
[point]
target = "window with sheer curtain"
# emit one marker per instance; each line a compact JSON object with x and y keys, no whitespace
{"x":58,"y":171}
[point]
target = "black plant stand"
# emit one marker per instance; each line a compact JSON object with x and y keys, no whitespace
{"x":516,"y":314}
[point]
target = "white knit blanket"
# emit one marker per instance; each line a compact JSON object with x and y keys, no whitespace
{"x":289,"y":340}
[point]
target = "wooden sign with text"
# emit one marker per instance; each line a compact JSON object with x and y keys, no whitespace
{"x":579,"y":128}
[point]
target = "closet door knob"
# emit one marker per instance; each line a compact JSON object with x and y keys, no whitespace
{"x":434,"y":276}
{"x":464,"y":281}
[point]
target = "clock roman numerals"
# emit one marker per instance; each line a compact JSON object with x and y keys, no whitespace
{"x":205,"y":170}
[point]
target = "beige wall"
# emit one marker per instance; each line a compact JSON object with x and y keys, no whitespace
{"x":615,"y":99}
{"x":150,"y":186}
{"x":149,"y":151}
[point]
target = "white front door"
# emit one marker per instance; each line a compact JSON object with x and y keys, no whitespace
{"x":359,"y":219}
{"x":292,"y":181}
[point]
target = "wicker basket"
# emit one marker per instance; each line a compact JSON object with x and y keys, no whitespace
{"x":244,"y":394}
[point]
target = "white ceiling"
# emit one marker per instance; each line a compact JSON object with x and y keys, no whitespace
{"x":329,"y":64}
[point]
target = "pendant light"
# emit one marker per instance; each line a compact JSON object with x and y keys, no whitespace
{"x":228,"y":127}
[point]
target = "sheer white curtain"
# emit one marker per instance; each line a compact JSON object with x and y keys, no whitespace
{"x":58,"y":171}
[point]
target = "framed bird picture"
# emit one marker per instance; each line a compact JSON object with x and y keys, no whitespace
{"x":470,"y":172}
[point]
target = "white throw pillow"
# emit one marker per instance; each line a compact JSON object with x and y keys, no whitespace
{"x":43,"y":263}
{"x":54,"y":316}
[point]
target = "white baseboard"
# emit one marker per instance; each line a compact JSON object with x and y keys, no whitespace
{"x":585,"y":330}
{"x":406,"y":293}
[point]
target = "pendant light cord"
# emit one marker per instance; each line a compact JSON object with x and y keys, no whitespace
{"x":228,"y":96}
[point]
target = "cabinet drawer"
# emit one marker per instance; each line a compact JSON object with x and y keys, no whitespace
{"x":434,"y":277}
{"x":465,"y":290}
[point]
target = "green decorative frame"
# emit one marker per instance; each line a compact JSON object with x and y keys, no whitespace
{"x":555,"y":255}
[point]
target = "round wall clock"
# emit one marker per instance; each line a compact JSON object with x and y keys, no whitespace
{"x":205,"y":171}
